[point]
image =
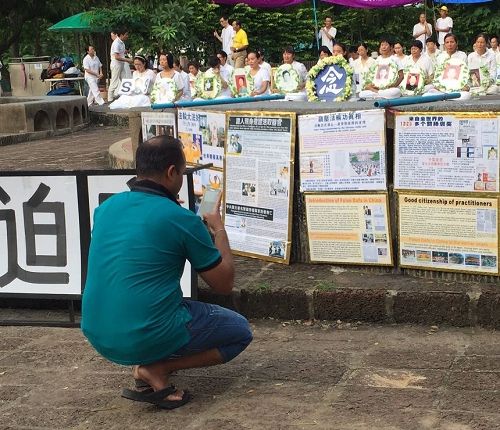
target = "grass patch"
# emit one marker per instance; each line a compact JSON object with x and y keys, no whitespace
{"x":326,"y":286}
{"x":262,"y":287}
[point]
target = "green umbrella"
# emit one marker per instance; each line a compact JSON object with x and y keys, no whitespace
{"x":81,"y":22}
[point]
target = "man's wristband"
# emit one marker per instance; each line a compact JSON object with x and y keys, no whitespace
{"x":218,"y":231}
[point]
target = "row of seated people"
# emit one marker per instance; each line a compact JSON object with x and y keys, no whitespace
{"x":171,"y":83}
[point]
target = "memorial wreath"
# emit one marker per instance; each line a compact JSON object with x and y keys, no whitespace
{"x":322,"y":65}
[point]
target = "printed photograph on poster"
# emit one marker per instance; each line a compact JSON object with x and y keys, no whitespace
{"x":157,"y":124}
{"x":349,"y":228}
{"x":203,"y":135}
{"x":258,"y":180}
{"x":450,"y":233}
{"x":447,"y":152}
{"x":343,"y":151}
{"x":40,"y":249}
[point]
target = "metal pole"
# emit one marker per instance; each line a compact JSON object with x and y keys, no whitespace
{"x":315,"y":12}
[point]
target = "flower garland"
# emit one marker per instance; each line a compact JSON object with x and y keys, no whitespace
{"x":420,"y":84}
{"x":447,"y":85}
{"x":289,"y":85}
{"x":340,"y":61}
{"x":381,"y":83}
{"x":237,"y":91}
{"x":164,"y":91}
{"x":208,"y":85}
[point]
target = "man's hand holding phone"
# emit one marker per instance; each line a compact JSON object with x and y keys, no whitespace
{"x":210,"y":210}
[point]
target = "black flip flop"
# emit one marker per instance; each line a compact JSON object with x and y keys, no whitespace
{"x":140,"y":384}
{"x":157,"y":397}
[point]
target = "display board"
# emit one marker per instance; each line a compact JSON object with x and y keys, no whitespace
{"x":448,"y":233}
{"x":45,"y":225}
{"x":343,"y":151}
{"x":447,"y":151}
{"x":258,"y":183}
{"x":349,"y":228}
{"x":40,"y":250}
{"x":202,"y":135}
{"x":158,"y":124}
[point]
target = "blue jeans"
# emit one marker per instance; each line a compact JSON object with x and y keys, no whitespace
{"x":213,"y":326}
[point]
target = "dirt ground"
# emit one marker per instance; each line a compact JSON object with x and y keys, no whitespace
{"x":295,"y":375}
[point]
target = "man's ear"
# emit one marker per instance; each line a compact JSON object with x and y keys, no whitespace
{"x":170,"y":172}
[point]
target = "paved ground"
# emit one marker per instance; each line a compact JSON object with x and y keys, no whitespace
{"x":293,"y":376}
{"x":86,"y":149}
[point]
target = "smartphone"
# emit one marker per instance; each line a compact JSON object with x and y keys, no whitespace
{"x":208,"y":201}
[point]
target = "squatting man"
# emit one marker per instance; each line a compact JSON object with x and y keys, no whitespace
{"x":133,"y":311}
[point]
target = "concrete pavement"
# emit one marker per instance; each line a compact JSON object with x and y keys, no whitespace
{"x":295,"y":375}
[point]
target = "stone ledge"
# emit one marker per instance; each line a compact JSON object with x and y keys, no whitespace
{"x":432,"y":308}
{"x":488,"y":310}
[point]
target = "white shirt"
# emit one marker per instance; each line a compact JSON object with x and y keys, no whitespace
{"x":443,"y":23}
{"x":177,"y":78}
{"x":226,"y":71}
{"x":259,"y":78}
{"x":325,"y":41}
{"x":267,"y":66}
{"x":93,"y":64}
{"x":301,"y":70}
{"x":423,"y":62}
{"x":360,"y":69}
{"x":186,"y":89}
{"x":488,"y":59}
{"x":443,"y":56}
{"x":387,"y":60}
{"x":117,"y":47}
{"x":419,"y":27}
{"x":227,"y":36}
{"x":432,"y":57}
{"x":148,"y":76}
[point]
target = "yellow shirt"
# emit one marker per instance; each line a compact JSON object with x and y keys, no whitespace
{"x":240,"y":39}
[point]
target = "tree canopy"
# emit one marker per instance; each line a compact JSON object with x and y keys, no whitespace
{"x":187,"y":27}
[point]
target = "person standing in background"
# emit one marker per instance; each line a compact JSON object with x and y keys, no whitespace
{"x":119,"y":64}
{"x":240,"y":45}
{"x":327,"y":34}
{"x":422,"y":30}
{"x":93,"y":72}
{"x":226,"y":36}
{"x":443,"y":26}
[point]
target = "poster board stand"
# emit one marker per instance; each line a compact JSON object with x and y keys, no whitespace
{"x":80,"y":233}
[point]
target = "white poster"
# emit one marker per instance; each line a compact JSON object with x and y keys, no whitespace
{"x":158,"y":124}
{"x":259,"y":183}
{"x":342,"y":151}
{"x":202,"y":135}
{"x":447,"y":152}
{"x":102,"y":187}
{"x":39,"y":235}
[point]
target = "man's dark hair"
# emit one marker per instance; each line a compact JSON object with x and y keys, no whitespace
{"x":222,"y":54}
{"x":417,"y":44}
{"x":121,"y":32}
{"x":431,"y":39}
{"x":225,"y":17}
{"x":156,"y":155}
{"x":288,"y":50}
{"x":213,"y":61}
{"x":238,"y":22}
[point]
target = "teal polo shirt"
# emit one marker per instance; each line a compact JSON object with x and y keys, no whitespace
{"x":132,"y":310}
